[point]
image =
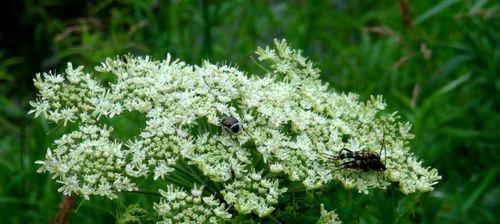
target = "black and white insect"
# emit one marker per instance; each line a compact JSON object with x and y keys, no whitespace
{"x":364,"y":160}
{"x":232,"y":125}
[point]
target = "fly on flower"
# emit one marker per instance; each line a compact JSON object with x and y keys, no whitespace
{"x":229,"y":123}
{"x":232,"y":125}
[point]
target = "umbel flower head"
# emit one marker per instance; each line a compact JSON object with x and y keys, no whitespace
{"x":291,"y":120}
{"x":178,"y":206}
{"x":328,"y":217}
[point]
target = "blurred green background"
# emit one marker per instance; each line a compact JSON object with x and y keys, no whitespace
{"x":436,"y":62}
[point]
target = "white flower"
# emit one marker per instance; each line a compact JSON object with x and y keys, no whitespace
{"x":251,"y":193}
{"x":86,"y":162}
{"x":328,"y":217}
{"x":41,"y":107}
{"x":178,"y":206}
{"x":290,"y":120}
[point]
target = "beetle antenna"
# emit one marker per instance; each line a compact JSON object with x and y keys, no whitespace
{"x":245,"y":130}
{"x":382,"y":146}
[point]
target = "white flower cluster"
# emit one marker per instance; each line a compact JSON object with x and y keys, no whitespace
{"x":252,"y":193}
{"x":317,"y":121}
{"x":219,"y":165}
{"x":178,"y":206}
{"x":290,"y":121}
{"x":67,"y":98}
{"x":87,"y":163}
{"x":328,"y":217}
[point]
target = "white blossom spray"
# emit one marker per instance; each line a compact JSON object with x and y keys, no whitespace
{"x":293,"y":120}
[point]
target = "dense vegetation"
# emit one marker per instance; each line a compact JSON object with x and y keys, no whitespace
{"x":435,"y":63}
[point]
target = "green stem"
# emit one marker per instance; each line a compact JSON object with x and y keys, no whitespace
{"x":189,"y":173}
{"x":144,"y":192}
{"x":273,"y":219}
{"x":179,"y":180}
{"x":192,"y":173}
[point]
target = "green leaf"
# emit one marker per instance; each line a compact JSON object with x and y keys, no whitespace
{"x":489,"y":177}
{"x":453,"y":84}
{"x":435,"y":10}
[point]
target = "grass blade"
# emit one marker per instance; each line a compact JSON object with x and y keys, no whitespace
{"x":434,"y":11}
{"x":453,"y":84}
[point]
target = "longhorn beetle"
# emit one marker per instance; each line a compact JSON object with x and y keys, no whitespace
{"x":364,"y":160}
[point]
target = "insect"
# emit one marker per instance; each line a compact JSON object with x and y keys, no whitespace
{"x":232,"y":125}
{"x":365,"y":161}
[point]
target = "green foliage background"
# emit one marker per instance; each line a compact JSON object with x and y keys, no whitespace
{"x":436,"y":62}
